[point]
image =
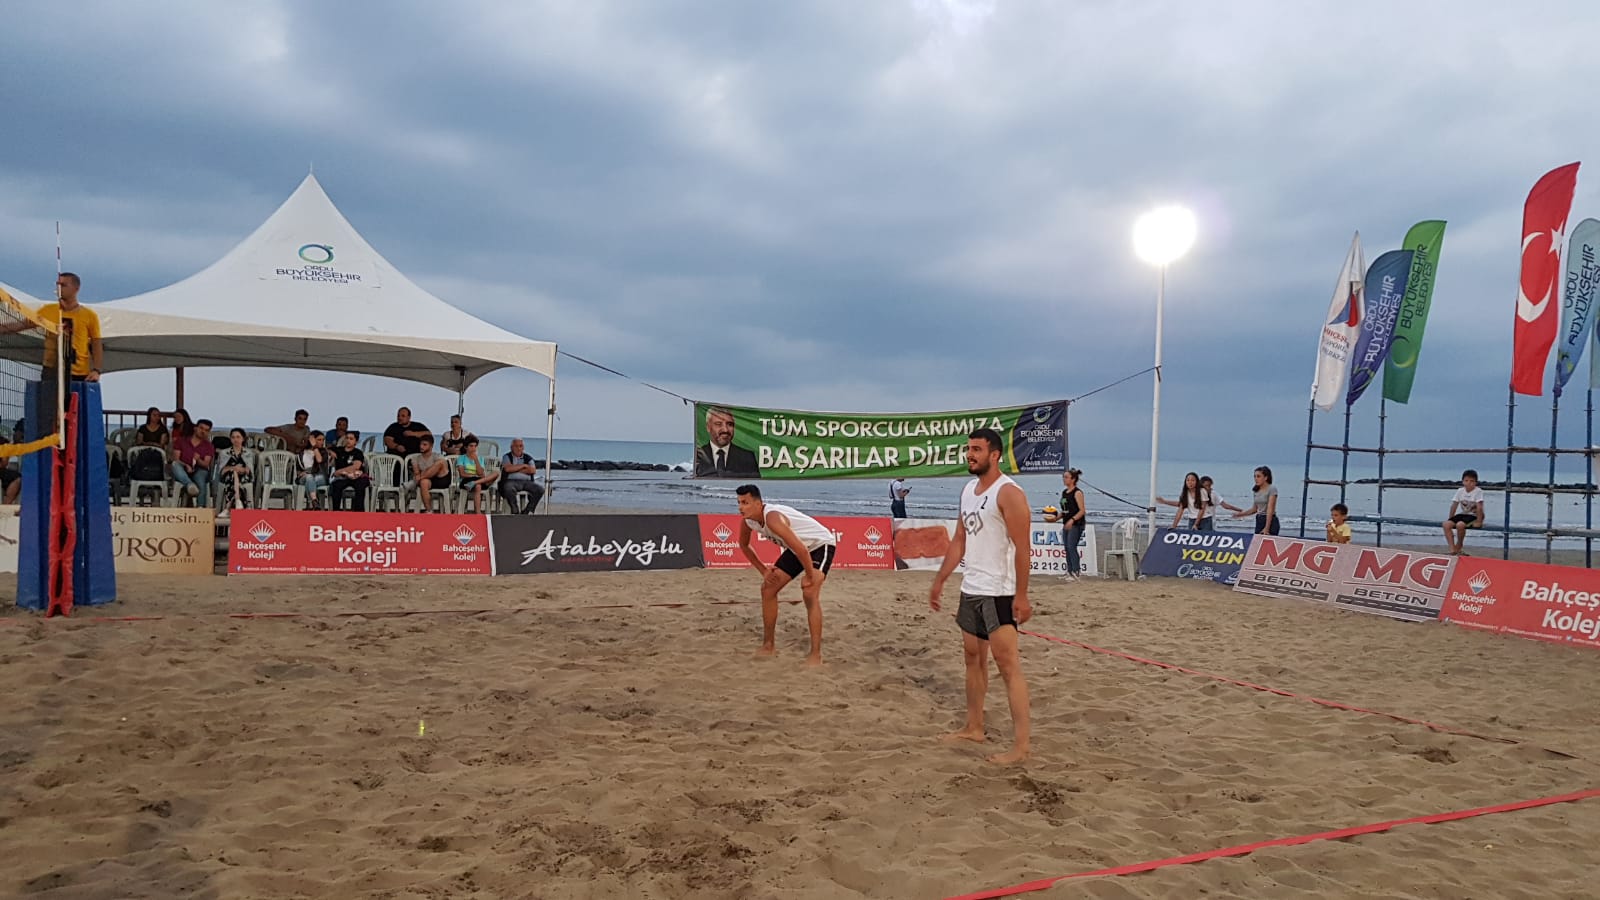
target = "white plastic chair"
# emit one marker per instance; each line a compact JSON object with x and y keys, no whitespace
{"x":137,"y":488}
{"x":383,"y":469}
{"x":1123,"y":557}
{"x":488,"y":450}
{"x":122,"y":437}
{"x":277,"y":473}
{"x":426,"y":504}
{"x":368,"y":444}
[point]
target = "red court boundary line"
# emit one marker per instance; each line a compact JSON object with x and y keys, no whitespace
{"x":1245,"y":849}
{"x":1331,"y":704}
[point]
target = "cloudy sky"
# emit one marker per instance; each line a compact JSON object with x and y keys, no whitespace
{"x":884,"y":206}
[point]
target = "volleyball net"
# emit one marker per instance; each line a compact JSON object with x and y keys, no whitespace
{"x":23,"y":334}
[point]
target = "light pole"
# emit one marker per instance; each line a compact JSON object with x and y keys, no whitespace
{"x":1161,"y":237}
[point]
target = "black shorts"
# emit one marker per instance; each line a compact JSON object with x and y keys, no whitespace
{"x":1467,"y":519}
{"x":982,"y":616}
{"x":822,"y":558}
{"x":8,"y":475}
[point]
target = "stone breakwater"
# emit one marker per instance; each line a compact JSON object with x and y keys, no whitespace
{"x":608,"y":465}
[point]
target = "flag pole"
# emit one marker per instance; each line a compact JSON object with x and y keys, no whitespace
{"x":1383,"y":419}
{"x":1305,"y":484}
{"x":1588,"y":481}
{"x":1550,"y":490}
{"x":1344,"y":451}
{"x":1511,"y":414}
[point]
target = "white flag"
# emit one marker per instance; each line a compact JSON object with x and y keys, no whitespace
{"x":1340,"y":328}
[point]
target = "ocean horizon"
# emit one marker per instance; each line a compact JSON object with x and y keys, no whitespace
{"x":1115,"y":488}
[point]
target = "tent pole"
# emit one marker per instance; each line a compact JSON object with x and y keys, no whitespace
{"x":178,"y":389}
{"x":549,"y":443}
{"x":461,"y":390}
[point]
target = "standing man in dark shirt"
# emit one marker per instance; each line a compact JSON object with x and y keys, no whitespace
{"x":349,"y":474}
{"x":404,"y":438}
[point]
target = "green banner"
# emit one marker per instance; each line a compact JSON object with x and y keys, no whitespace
{"x":744,"y":442}
{"x":1424,"y":240}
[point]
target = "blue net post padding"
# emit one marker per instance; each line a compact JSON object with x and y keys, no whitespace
{"x":94,"y":572}
{"x":94,"y":565}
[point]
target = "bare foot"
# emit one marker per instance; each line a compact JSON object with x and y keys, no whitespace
{"x":814,"y":659}
{"x":965,"y":734}
{"x":1009,"y":759}
{"x":765,"y":652}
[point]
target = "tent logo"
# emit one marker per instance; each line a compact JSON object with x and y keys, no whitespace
{"x":317,"y":254}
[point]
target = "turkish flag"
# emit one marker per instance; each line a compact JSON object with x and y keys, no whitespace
{"x":1544,"y":226}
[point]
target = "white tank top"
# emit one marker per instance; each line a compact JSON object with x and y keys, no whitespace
{"x":810,"y":532}
{"x":991,"y":559}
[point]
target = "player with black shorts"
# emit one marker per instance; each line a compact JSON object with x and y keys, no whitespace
{"x":994,"y":540}
{"x":807,"y":554}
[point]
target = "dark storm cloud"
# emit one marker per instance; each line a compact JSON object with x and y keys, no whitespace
{"x":865,"y":206}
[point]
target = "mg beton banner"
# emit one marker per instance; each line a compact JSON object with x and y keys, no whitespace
{"x":1290,"y":568}
{"x":863,"y":542}
{"x":578,"y":543}
{"x":1396,"y":583}
{"x":289,"y":541}
{"x":1550,"y":603}
{"x":744,"y":442}
{"x":163,"y":541}
{"x":1200,"y":555}
{"x":1400,"y":584}
{"x":1048,"y":555}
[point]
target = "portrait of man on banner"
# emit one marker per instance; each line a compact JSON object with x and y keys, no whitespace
{"x":718,"y":457}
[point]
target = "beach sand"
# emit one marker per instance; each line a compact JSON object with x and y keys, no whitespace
{"x":574,"y":751}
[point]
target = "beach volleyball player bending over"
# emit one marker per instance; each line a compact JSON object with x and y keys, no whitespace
{"x":807,"y":552}
{"x":993,"y":538}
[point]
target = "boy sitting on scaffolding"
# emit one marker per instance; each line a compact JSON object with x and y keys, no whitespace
{"x":1466,"y":511}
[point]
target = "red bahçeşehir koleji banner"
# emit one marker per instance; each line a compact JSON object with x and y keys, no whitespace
{"x":864,"y":542}
{"x":1552,"y":603}
{"x":286,"y":541}
{"x":1544,"y":228}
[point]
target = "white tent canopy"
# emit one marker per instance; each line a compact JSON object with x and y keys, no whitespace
{"x":306,"y":291}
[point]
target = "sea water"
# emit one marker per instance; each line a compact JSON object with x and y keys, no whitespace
{"x":1113,"y":488}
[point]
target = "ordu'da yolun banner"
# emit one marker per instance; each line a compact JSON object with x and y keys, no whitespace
{"x":745,"y":442}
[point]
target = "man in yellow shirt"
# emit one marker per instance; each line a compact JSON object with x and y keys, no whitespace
{"x":85,"y":351}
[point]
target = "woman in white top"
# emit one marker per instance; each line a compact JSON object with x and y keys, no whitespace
{"x":1193,"y":503}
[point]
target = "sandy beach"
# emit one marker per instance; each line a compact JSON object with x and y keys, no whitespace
{"x":572,"y":742}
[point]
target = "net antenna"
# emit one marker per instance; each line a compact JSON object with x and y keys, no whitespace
{"x":61,"y":354}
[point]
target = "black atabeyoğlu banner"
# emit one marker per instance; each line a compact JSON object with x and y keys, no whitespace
{"x":528,"y":544}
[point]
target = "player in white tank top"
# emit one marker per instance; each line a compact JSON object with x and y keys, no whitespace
{"x":993,"y":539}
{"x":808,"y":548}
